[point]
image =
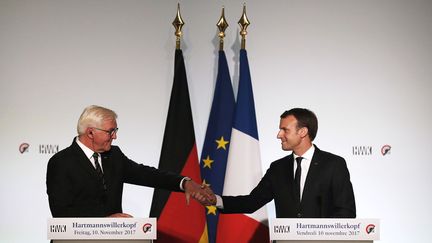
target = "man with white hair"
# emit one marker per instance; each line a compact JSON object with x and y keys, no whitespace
{"x":86,"y":179}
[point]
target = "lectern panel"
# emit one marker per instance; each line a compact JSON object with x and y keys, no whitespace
{"x":113,"y":230}
{"x":324,"y":230}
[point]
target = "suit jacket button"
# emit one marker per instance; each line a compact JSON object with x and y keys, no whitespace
{"x":299,"y":215}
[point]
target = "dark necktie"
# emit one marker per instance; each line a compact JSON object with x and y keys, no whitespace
{"x":99,"y":169}
{"x":297,"y":177}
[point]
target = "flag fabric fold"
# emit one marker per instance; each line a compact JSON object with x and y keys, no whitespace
{"x":243,"y":171}
{"x":217,"y":140}
{"x":178,"y":222}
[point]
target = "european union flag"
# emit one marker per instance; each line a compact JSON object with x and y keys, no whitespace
{"x":217,"y":140}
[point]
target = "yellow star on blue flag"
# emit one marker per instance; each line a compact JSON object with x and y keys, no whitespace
{"x":207,"y":162}
{"x":221,"y":143}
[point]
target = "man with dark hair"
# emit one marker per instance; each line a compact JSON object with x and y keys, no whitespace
{"x":308,"y":183}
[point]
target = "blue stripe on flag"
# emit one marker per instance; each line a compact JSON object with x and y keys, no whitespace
{"x":245,"y":118}
{"x":216,"y":144}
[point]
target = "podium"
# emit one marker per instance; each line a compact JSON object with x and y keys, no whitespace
{"x":320,"y":230}
{"x":111,"y":230}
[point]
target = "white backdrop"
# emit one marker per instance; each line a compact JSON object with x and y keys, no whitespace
{"x":364,"y":67}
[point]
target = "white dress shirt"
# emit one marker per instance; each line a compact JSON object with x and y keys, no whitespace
{"x":305,"y":163}
{"x":89,"y":153}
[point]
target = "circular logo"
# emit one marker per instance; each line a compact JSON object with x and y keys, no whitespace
{"x":385,"y":150}
{"x":147,"y":227}
{"x":370,"y":228}
{"x":24,"y":147}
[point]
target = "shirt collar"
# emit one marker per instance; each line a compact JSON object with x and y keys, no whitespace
{"x":308,"y":154}
{"x":88,"y":152}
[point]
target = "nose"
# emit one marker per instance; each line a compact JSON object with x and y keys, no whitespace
{"x":279,"y":134}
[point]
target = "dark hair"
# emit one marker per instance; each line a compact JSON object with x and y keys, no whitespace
{"x":305,"y":118}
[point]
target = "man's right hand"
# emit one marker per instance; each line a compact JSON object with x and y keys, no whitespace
{"x":210,"y":200}
{"x":198,"y":192}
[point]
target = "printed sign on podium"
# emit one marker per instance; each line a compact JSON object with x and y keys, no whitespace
{"x":108,"y":229}
{"x":321,"y":230}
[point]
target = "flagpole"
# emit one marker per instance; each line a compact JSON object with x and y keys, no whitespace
{"x":222,"y":25}
{"x":178,"y":24}
{"x":243,"y":22}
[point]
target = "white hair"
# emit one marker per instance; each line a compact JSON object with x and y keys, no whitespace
{"x":93,"y":116}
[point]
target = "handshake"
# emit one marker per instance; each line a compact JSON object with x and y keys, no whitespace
{"x":201,"y":193}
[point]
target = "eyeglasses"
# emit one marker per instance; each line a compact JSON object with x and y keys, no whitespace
{"x":109,"y":132}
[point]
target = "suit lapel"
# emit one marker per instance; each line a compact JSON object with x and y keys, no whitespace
{"x":107,"y":166}
{"x":290,"y":170}
{"x":82,"y":160}
{"x":313,"y":173}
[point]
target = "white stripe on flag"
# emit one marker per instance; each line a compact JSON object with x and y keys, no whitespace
{"x":243,"y":170}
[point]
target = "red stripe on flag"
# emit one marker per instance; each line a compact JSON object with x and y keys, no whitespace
{"x":174,"y":224}
{"x":191,"y":168}
{"x":239,"y":228}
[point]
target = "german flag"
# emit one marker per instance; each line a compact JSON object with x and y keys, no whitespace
{"x":178,"y":222}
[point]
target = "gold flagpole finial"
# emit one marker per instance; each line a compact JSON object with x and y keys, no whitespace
{"x":243,"y":22}
{"x":178,"y":24}
{"x":222,"y":25}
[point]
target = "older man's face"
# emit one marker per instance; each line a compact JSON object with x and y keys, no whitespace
{"x":104,"y":135}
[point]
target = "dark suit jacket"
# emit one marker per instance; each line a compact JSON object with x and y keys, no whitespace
{"x":74,"y":189}
{"x":327,"y":192}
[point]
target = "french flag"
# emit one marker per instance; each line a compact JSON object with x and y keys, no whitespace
{"x":243,"y":171}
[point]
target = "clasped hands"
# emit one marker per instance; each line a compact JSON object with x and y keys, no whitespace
{"x":202,"y":193}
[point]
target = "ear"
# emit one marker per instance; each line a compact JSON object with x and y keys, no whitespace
{"x":303,"y":132}
{"x":89,"y":132}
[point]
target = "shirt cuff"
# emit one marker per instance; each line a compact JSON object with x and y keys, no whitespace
{"x":219,"y":202}
{"x":183,"y":181}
